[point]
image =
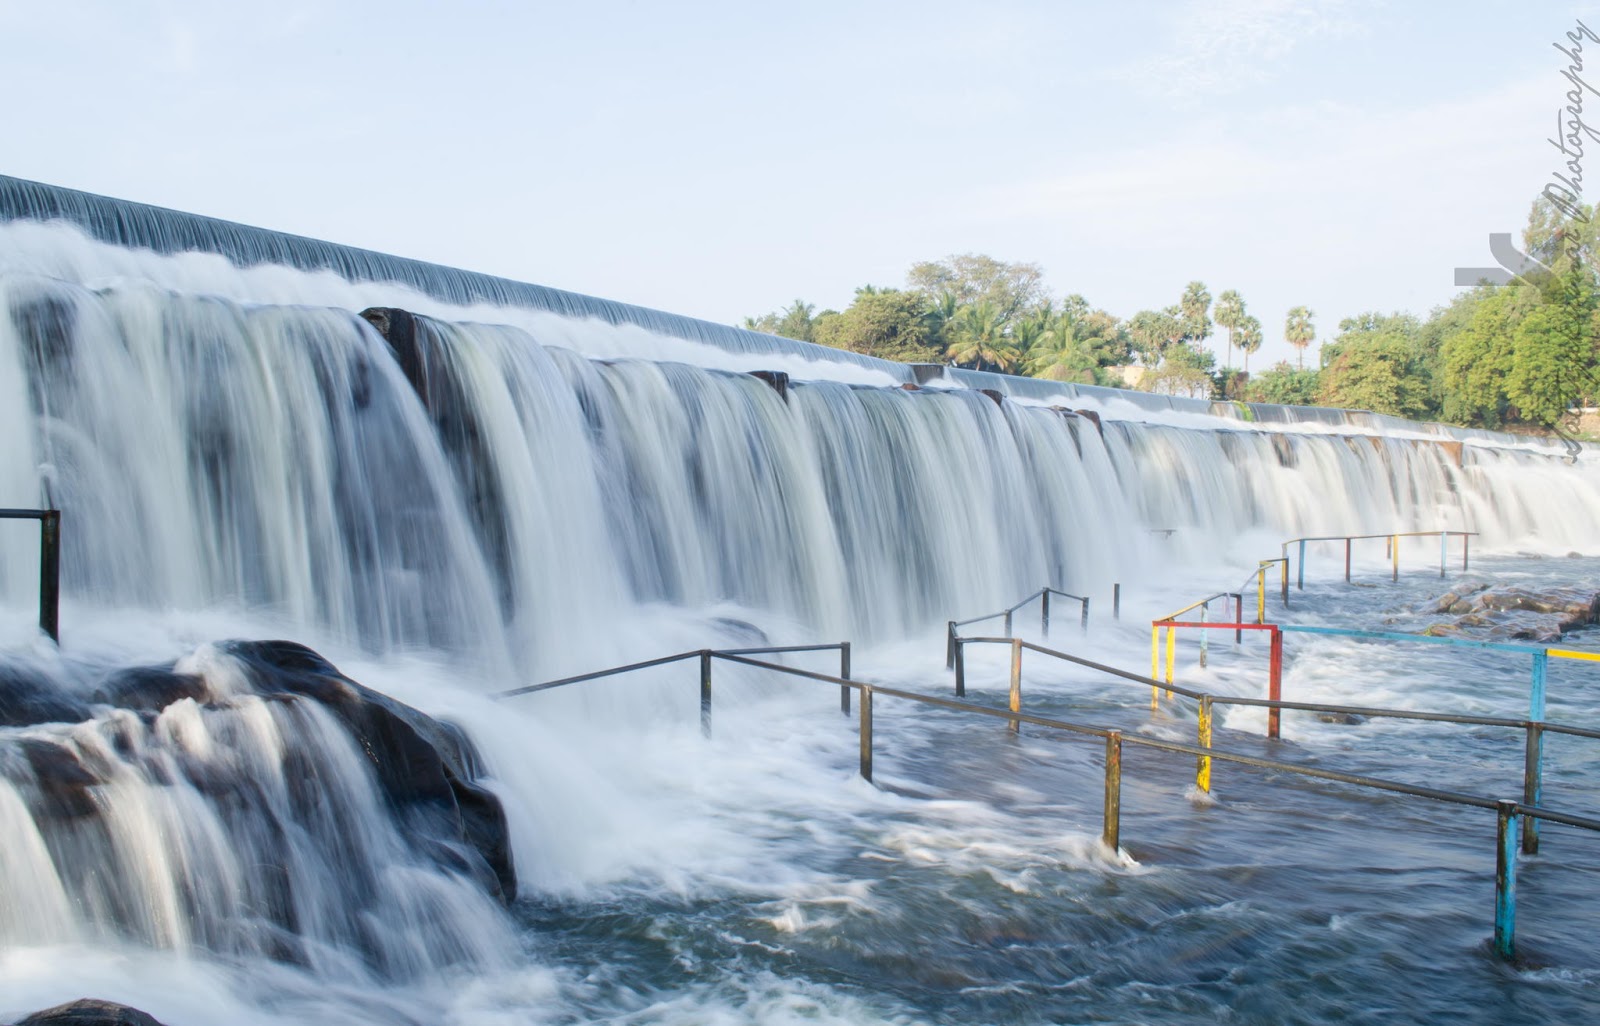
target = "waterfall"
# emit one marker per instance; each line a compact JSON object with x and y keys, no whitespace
{"x":404,"y":461}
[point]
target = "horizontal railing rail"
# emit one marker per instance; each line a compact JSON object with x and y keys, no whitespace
{"x":1042,"y":596}
{"x":1507,"y":810}
{"x":1392,"y":551}
{"x":49,"y":565}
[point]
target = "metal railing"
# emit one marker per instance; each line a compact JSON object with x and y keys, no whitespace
{"x":1043,"y":597}
{"x":49,"y":565}
{"x":1507,"y":810}
{"x":1392,"y":552}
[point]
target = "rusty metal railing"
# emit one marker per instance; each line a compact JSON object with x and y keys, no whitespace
{"x":1043,"y":597}
{"x":49,"y":565}
{"x":1392,"y":552}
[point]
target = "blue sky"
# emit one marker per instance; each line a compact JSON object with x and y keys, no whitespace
{"x":722,"y":159}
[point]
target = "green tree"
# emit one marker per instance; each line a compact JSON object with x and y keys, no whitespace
{"x":981,"y":339}
{"x":1552,"y":357}
{"x":1299,"y":332}
{"x":973,"y":278}
{"x":1152,"y":332}
{"x":1185,"y":370}
{"x":891,"y":324}
{"x":1230,"y":312}
{"x":1250,"y":338}
{"x":1377,"y":363}
{"x":1285,"y":385}
{"x":1063,"y":351}
{"x":1195,"y":306}
{"x":1477,"y":357}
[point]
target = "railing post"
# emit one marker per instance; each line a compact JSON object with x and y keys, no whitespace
{"x":1044,"y":613}
{"x":1347,"y":561}
{"x":1275,"y":681}
{"x":1394,"y":549}
{"x":50,"y":574}
{"x":866,"y":733}
{"x":1155,"y":665}
{"x":1532,"y":786}
{"x":1202,"y":776}
{"x":1238,"y":617}
{"x":1116,"y":601}
{"x":1112,"y":834}
{"x":1444,"y":538}
{"x":1505,"y":880}
{"x":1172,"y":656}
{"x":705,"y":692}
{"x":1465,"y":538}
{"x":844,"y":674}
{"x":1261,"y":594}
{"x":1300,"y":568}
{"x":950,"y":645}
{"x":1205,"y":635}
{"x":1285,"y":588}
{"x":1016,"y":683}
{"x":961,"y":668}
{"x":1536,"y":687}
{"x":1083,"y":619}
{"x":1008,"y":623}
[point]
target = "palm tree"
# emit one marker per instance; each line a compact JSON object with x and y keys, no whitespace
{"x":981,"y":338}
{"x":1298,"y":331}
{"x":1230,"y":314}
{"x":1063,"y":353}
{"x":941,"y":315}
{"x":1249,"y":338}
{"x":1195,"y":304}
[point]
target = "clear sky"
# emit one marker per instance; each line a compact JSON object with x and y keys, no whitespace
{"x":723,"y":159}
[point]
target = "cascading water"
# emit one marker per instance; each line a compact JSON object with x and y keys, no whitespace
{"x":460,"y":497}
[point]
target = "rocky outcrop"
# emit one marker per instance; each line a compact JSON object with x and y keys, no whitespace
{"x":90,"y":1012}
{"x":1542,"y":615}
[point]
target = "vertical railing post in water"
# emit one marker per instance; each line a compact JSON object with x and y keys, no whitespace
{"x":1155,"y":666}
{"x":1238,"y":617}
{"x":1532,"y":785}
{"x":1347,"y":561}
{"x":1444,"y":544}
{"x":1284,"y":590}
{"x":1116,"y":601}
{"x":1533,"y":757}
{"x":1083,"y":620}
{"x":1300,"y":568}
{"x":1465,"y":539}
{"x":866,"y":733}
{"x":1505,"y":880}
{"x":1261,"y":594}
{"x":1044,"y":612}
{"x":50,"y":574}
{"x":1008,"y":623}
{"x":705,"y":692}
{"x":1112,"y":833}
{"x":1205,"y":635}
{"x":1394,"y":550}
{"x":1016,"y":683}
{"x":961,"y":668}
{"x":1202,"y":776}
{"x":844,"y":674}
{"x":950,"y":645}
{"x":1172,"y":656}
{"x":1275,"y":681}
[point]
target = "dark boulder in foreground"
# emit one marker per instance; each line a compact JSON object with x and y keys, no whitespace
{"x":90,"y":1012}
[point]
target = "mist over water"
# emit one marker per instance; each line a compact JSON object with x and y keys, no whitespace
{"x":239,"y":453}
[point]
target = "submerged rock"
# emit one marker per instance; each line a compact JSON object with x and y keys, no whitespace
{"x":1516,"y":613}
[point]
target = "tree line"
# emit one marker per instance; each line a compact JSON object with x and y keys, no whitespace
{"x":1496,"y":356}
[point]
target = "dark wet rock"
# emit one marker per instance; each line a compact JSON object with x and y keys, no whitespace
{"x":425,"y":768}
{"x":27,"y":698}
{"x":1349,"y":719}
{"x":147,"y":688}
{"x":63,"y":781}
{"x":90,"y":1012}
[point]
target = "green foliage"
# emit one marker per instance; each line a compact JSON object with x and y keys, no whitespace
{"x":1377,"y":363}
{"x":1552,"y":355}
{"x":1250,"y":338}
{"x":1285,"y":385}
{"x":980,"y":339}
{"x":886,"y":323}
{"x":1230,"y":312}
{"x":1011,"y":290}
{"x":1195,"y":307}
{"x":1151,"y":332}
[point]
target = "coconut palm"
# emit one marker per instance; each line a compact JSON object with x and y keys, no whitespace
{"x":1229,"y":314}
{"x":1250,"y":338}
{"x":981,"y":337}
{"x":1064,"y":352}
{"x":1298,"y":331}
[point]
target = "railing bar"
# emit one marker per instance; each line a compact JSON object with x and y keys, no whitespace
{"x":1124,"y":674}
{"x":776,"y":649}
{"x":1399,"y":714}
{"x":596,"y":675}
{"x":23,"y":514}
